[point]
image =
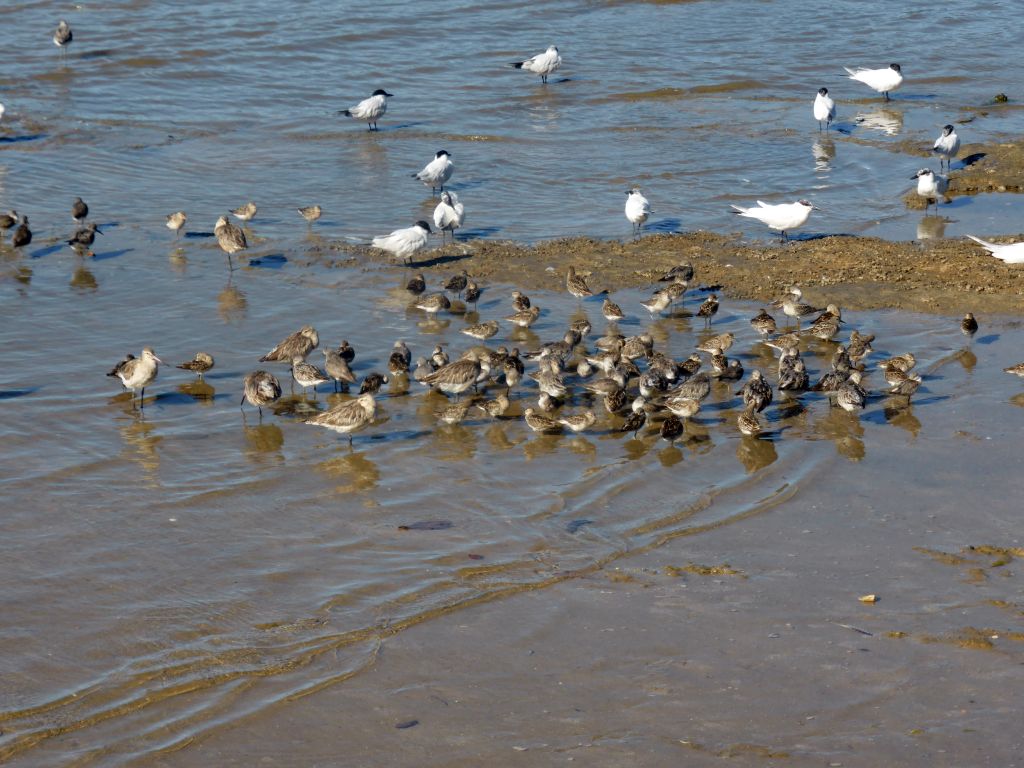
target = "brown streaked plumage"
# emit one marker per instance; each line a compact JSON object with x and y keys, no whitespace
{"x":348,"y":417}
{"x":708,"y":309}
{"x":310,"y":212}
{"x":538,"y":422}
{"x":176,"y":221}
{"x":337,"y":368}
{"x":135,"y":374}
{"x":200,"y":363}
{"x":576,"y":284}
{"x":22,"y":235}
{"x":969,"y":325}
{"x":454,"y":378}
{"x":260,"y":388}
{"x":296,"y":347}
{"x":230,"y":238}
{"x":79,"y":210}
{"x":245,"y":212}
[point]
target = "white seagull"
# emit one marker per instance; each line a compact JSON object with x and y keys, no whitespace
{"x":638,"y":210}
{"x":881,"y":80}
{"x":782,"y":217}
{"x":370,"y":109}
{"x":1011,"y":253}
{"x":824,"y":108}
{"x":947,"y":145}
{"x":404,"y":243}
{"x":449,"y":214}
{"x":437,"y":171}
{"x":542,"y":64}
{"x":930,"y":186}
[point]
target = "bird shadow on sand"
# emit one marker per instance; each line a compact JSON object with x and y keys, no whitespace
{"x":449,"y":258}
{"x":111,"y":254}
{"x":50,"y":249}
{"x":970,"y":160}
{"x":913,"y":97}
{"x":24,"y":137}
{"x":804,"y":237}
{"x":399,"y":127}
{"x":10,"y":394}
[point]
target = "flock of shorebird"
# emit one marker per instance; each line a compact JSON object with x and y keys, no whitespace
{"x":637,"y":384}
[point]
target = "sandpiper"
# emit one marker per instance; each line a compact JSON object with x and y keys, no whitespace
{"x":245,"y":212}
{"x":851,"y":396}
{"x":634,"y":422}
{"x":372,"y":383}
{"x":296,"y":347}
{"x":175,"y":221}
{"x":708,"y":309}
{"x":968,"y":326}
{"x":697,"y":387}
{"x":260,"y":388}
{"x":308,"y":375}
{"x":336,"y":367}
{"x":472,"y":294}
{"x":454,"y":413}
{"x":520,"y":301}
{"x":859,"y":346}
{"x":79,"y":210}
{"x":793,"y":306}
{"x":455,"y":378}
{"x":784,"y":341}
{"x":794,"y":378}
{"x":456,"y":283}
{"x":748,"y":422}
{"x":525,"y":318}
{"x":8,"y":220}
{"x":439,"y":358}
{"x":63,"y":36}
{"x":22,"y":235}
{"x":612,"y":312}
{"x":578,"y":422}
{"x":136,"y":374}
{"x":757,"y":392}
{"x":310,"y":213}
{"x":538,"y":422}
{"x":763,"y":323}
{"x":681,"y":273}
{"x":348,"y":417}
{"x":903,"y":362}
{"x":657,"y":304}
{"x":671,"y":428}
{"x":433,"y":303}
{"x":496,"y":407}
{"x":230,"y":238}
{"x":200,"y":364}
{"x":907,"y":387}
{"x":512,"y":369}
{"x":482,"y":331}
{"x":576,"y":284}
{"x":722,"y":342}
{"x":83,"y":238}
{"x":399,"y":359}
{"x":826,"y":325}
{"x":116,"y":370}
{"x":345,"y":351}
{"x":683,"y":407}
{"x":1016,"y":370}
{"x":416,"y":284}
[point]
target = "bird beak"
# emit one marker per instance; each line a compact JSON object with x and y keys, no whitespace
{"x":98,"y":231}
{"x":914,"y":176}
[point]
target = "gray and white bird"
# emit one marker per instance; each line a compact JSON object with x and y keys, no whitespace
{"x":882,"y":80}
{"x":405,"y":243}
{"x":449,"y":214}
{"x":782,"y":217}
{"x":947,"y":145}
{"x":931,"y":186}
{"x":79,"y":210}
{"x":175,"y":221}
{"x":638,"y":210}
{"x":1011,"y":253}
{"x":62,"y":36}
{"x":260,"y":388}
{"x":370,"y":109}
{"x":348,"y":417}
{"x":437,"y":172}
{"x":137,"y":373}
{"x":542,"y":64}
{"x":824,"y":108}
{"x":230,"y":238}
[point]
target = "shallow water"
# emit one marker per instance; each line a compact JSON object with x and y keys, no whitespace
{"x":170,"y":571}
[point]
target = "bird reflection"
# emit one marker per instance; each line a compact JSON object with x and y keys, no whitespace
{"x":453,"y":442}
{"x":756,"y":453}
{"x":138,"y":436}
{"x":498,"y":438}
{"x":198,"y":389}
{"x":232,"y":304}
{"x":900,"y":413}
{"x":1018,"y":400}
{"x":354,"y":468}
{"x":932,"y":228}
{"x":844,"y":430}
{"x":889,"y":121}
{"x":83,"y":280}
{"x":582,"y":447}
{"x":824,"y":151}
{"x":178,"y":260}
{"x":670,"y":456}
{"x":541,"y":446}
{"x":967,"y":359}
{"x":262,"y":440}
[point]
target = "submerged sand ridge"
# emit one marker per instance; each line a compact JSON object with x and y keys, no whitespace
{"x":942,"y":276}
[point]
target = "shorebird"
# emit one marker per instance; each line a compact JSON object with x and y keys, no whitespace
{"x":116,"y":370}
{"x":576,"y":285}
{"x":794,"y":378}
{"x":79,"y":210}
{"x":433,"y":303}
{"x":697,"y":387}
{"x":472,"y":295}
{"x":681,"y":273}
{"x":453,"y":413}
{"x":230,"y":238}
{"x":370,"y":109}
{"x":260,"y":388}
{"x":757,"y":392}
{"x":22,"y":235}
{"x":907,"y":387}
{"x":968,"y":326}
{"x":8,"y":220}
{"x":295,"y":347}
{"x":482,"y":331}
{"x":449,"y":214}
{"x":826,"y":325}
{"x":782,"y":217}
{"x":708,"y":309}
{"x":538,"y":422}
{"x":859,"y":346}
{"x":454,"y":378}
{"x":176,"y":221}
{"x":416,"y":284}
{"x":1010,"y":253}
{"x":496,"y":407}
{"x":634,"y":422}
{"x":520,"y":301}
{"x":83,"y":238}
{"x":345,"y":351}
{"x":62,"y":36}
{"x":671,"y":429}
{"x":824,"y":108}
{"x":763,"y":323}
{"x":349,"y":417}
{"x":308,"y":375}
{"x":722,"y":342}
{"x":882,"y":80}
{"x":456,"y":283}
{"x":135,"y":374}
{"x":793,"y":306}
{"x":638,"y":210}
{"x":542,"y":64}
{"x":200,"y":364}
{"x":748,"y":423}
{"x":525,"y":318}
{"x":947,"y":145}
{"x":245,"y":212}
{"x":1016,"y":370}
{"x":336,"y":367}
{"x":372,"y":383}
{"x":851,"y":396}
{"x":903,"y":362}
{"x":437,"y":172}
{"x":931,"y":186}
{"x":683,"y":407}
{"x":404,"y":243}
{"x":512,"y":369}
{"x":438,"y":357}
{"x":310,"y":213}
{"x":399,"y":359}
{"x":612,"y":312}
{"x":657,"y":304}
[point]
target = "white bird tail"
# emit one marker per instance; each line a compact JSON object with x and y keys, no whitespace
{"x":993,"y":247}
